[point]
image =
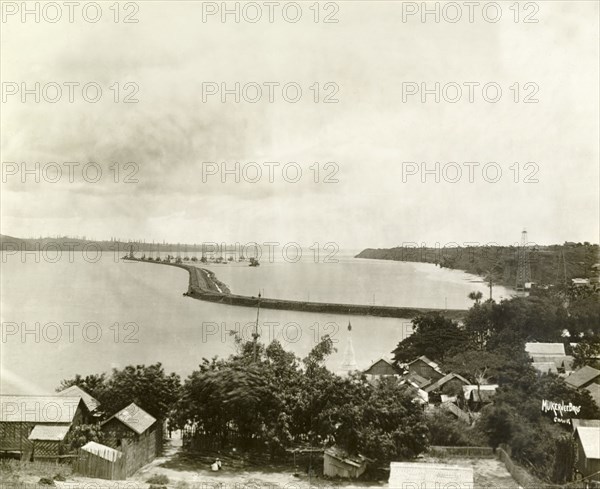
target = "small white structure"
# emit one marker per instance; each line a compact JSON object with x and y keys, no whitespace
{"x":102,"y":451}
{"x":408,"y":475}
{"x":337,"y":463}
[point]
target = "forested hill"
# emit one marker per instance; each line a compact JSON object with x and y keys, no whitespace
{"x":549,"y":264}
{"x":68,"y":243}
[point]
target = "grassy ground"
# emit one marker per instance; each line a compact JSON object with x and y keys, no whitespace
{"x":188,"y":471}
{"x":17,"y":472}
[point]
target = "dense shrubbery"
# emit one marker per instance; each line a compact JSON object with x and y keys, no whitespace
{"x":490,"y":348}
{"x":273,"y":400}
{"x":445,"y":430}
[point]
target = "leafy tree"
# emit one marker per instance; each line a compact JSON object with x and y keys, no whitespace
{"x":475,"y":296}
{"x":273,"y":400}
{"x":445,"y":430}
{"x":564,"y":459}
{"x":434,"y":336}
{"x":392,"y":424}
{"x":94,"y":384}
{"x":81,"y":434}
{"x":148,"y":386}
{"x":587,"y":352}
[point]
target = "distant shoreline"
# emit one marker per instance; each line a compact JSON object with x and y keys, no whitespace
{"x":205,"y":286}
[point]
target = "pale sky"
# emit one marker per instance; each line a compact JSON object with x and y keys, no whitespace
{"x":369,"y":133}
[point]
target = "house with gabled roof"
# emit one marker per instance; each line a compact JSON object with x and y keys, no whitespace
{"x":383,"y":368}
{"x":576,"y":422}
{"x":541,"y":354}
{"x":545,"y":349}
{"x":587,"y":440}
{"x":417,"y":380}
{"x":35,"y":427}
{"x":477,"y":396}
{"x":583,"y":377}
{"x":76,"y":391}
{"x":426,"y":368}
{"x":135,"y":433}
{"x":545,"y":367}
{"x":449,"y":384}
{"x":594,"y":390}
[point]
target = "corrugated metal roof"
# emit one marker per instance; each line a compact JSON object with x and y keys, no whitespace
{"x":38,"y":409}
{"x":445,"y":379}
{"x":594,"y":390}
{"x":431,"y":363}
{"x":545,"y":367}
{"x":584,"y":422}
{"x":342,"y":456}
{"x":582,"y":376}
{"x":467,"y":389}
{"x":102,"y":451}
{"x":135,"y":418}
{"x":76,"y":391}
{"x":49,"y":432}
{"x":590,"y":441}
{"x":560,"y":361}
{"x":387,"y":362}
{"x":421,"y":382}
{"x":545,"y":348}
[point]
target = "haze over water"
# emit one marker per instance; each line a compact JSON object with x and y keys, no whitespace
{"x":136,"y":314}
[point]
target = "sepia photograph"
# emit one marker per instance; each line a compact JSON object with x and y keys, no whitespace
{"x":302,"y":244}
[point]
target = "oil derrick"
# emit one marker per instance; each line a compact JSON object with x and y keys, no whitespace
{"x":561,"y":268}
{"x":523,"y":268}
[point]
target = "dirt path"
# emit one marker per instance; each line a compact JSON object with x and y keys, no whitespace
{"x":184,"y":471}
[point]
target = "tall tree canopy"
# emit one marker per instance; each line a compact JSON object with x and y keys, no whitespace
{"x":274,"y":400}
{"x":148,"y":386}
{"x":434,"y":336}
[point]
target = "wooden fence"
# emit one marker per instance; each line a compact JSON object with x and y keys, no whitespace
{"x":92,"y":465}
{"x":482,"y":452}
{"x":199,"y":441}
{"x":520,"y":475}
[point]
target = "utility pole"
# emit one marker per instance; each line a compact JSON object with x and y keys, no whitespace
{"x":255,"y":335}
{"x":523,"y":268}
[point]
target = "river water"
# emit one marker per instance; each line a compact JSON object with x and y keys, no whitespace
{"x":64,"y":315}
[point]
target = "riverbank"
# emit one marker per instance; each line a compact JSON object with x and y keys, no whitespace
{"x":204,"y":285}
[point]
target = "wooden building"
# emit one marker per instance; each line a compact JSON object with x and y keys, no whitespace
{"x":587,"y":439}
{"x":549,"y":357}
{"x":99,"y":461}
{"x":450,"y":384}
{"x":478,"y":396}
{"x":135,"y":433}
{"x":383,"y":368}
{"x":91,"y":404}
{"x":425,"y":368}
{"x":35,"y":427}
{"x":337,"y":463}
{"x":583,"y":377}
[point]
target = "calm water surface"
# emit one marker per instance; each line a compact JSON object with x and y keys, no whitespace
{"x":94,"y":316}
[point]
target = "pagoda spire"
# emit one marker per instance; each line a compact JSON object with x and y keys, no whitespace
{"x":349,"y":361}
